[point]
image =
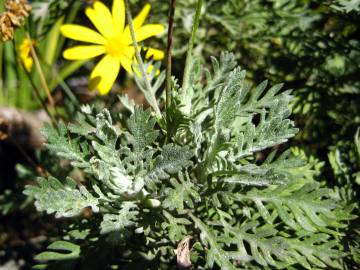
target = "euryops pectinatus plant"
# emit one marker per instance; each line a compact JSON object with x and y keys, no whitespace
{"x":204,"y":182}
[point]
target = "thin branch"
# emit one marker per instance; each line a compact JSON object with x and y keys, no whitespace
{"x":41,"y":73}
{"x":37,"y":93}
{"x":140,"y":61}
{"x":43,"y":105}
{"x":189,"y":55}
{"x":169,"y":52}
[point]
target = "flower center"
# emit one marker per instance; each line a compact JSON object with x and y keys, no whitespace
{"x":116,"y":46}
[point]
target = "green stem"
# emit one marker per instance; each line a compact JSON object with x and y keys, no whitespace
{"x":10,"y":81}
{"x":143,"y":73}
{"x":24,"y":94}
{"x":189,"y":55}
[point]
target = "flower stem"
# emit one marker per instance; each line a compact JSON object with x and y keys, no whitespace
{"x":152,"y":102}
{"x":169,"y":52}
{"x":38,"y":96}
{"x":189,"y":55}
{"x":37,"y":93}
{"x":40,"y":71}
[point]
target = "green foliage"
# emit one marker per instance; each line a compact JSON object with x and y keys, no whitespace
{"x":182,"y":192}
{"x":150,"y":83}
{"x":210,"y":178}
{"x":307,"y":208}
{"x":311,"y":46}
{"x":347,"y":6}
{"x":47,"y":11}
{"x":65,"y":200}
{"x":119,"y":221}
{"x":172,"y":159}
{"x":64,"y":148}
{"x":266,"y":248}
{"x":58,"y":248}
{"x":23,"y":88}
{"x":213,"y":165}
{"x":141,"y":130}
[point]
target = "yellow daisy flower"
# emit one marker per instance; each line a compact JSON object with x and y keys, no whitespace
{"x":25,"y":56}
{"x":113,"y":40}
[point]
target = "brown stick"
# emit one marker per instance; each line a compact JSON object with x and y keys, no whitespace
{"x":41,"y":73}
{"x":169,"y":52}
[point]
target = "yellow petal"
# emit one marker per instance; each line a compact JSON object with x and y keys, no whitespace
{"x":101,"y":17}
{"x":83,"y":52}
{"x":148,"y":30}
{"x":149,"y":70}
{"x":139,"y":19}
{"x":24,"y":53}
{"x":118,"y":12}
{"x":126,"y":63}
{"x":154,"y":53}
{"x":104,"y":74}
{"x":28,"y":63}
{"x":129,"y":52}
{"x":25,"y":47}
{"x":81,"y":33}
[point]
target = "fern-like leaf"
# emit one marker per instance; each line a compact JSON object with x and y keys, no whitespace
{"x":60,"y":250}
{"x":65,"y":200}
{"x":141,"y":130}
{"x":183,"y":192}
{"x":309,"y":207}
{"x":118,"y":222}
{"x":172,"y":159}
{"x":58,"y":142}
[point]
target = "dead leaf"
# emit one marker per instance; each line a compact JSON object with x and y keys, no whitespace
{"x":183,"y":253}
